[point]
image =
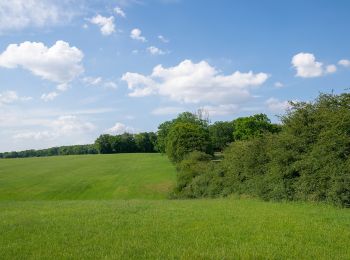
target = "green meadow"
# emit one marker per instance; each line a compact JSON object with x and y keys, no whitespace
{"x":87,"y":177}
{"x":116,"y":207}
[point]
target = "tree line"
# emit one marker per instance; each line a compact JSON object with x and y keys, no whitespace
{"x":104,"y":144}
{"x":215,"y":137}
{"x":305,"y":158}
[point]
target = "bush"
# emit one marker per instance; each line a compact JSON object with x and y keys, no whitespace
{"x":309,"y":159}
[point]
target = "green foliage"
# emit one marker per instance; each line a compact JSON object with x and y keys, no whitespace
{"x":185,"y":137}
{"x":221,"y":134}
{"x":307,"y":160}
{"x":164,"y":128}
{"x":145,"y":142}
{"x":53,"y":151}
{"x":104,"y":144}
{"x":127,"y":143}
{"x":253,"y":126}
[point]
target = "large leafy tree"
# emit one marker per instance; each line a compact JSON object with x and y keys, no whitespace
{"x":186,"y":137}
{"x":253,"y":126}
{"x":221,"y":134}
{"x":104,"y":143}
{"x":185,"y":117}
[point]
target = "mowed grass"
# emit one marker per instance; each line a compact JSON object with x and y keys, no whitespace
{"x":86,"y":177}
{"x":115,"y":207}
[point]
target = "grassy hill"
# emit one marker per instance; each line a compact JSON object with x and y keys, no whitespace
{"x":114,"y":206}
{"x":87,"y":177}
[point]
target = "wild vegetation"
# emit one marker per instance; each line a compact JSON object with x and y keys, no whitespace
{"x":306,"y":158}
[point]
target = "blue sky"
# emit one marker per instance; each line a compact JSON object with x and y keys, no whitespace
{"x":73,"y":69}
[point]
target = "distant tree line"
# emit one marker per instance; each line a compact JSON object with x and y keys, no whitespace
{"x":127,"y":143}
{"x":188,"y":132}
{"x":124,"y":143}
{"x":306,"y":158}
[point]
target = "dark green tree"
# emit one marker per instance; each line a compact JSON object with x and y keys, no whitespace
{"x":186,"y":137}
{"x":221,"y":134}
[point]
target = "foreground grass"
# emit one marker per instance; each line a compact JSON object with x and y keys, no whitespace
{"x":113,"y":206}
{"x":192,"y":229}
{"x":115,"y":176}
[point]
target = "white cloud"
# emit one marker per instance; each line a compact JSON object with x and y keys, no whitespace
{"x":275,"y":105}
{"x":118,"y":129}
{"x":92,"y":80}
{"x":49,"y":96}
{"x":331,"y":68}
{"x":110,"y":84}
{"x":106,"y":24}
{"x":61,"y":127}
{"x":8,"y":97}
{"x":194,"y":83}
{"x":71,"y":124}
{"x":136,"y":34}
{"x":59,"y":63}
{"x":307,"y":66}
{"x":278,"y":84}
{"x":99,"y":81}
{"x":63,"y":87}
{"x":155,"y":51}
{"x":345,"y":63}
{"x":167,"y":110}
{"x":35,"y":135}
{"x":20,"y":14}
{"x":119,"y":12}
{"x":220,"y":110}
{"x":163,"y":39}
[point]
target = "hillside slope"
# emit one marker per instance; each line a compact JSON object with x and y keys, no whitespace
{"x":87,"y":177}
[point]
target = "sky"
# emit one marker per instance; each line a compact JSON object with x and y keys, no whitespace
{"x":71,"y":70}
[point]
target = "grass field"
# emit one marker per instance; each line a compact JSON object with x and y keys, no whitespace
{"x":115,"y":206}
{"x":89,"y":177}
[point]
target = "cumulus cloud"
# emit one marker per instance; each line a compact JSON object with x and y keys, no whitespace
{"x":8,"y":97}
{"x":163,"y":39}
{"x":119,"y":12}
{"x":190,"y":82}
{"x":118,"y":129}
{"x":20,"y":14}
{"x":136,"y":34}
{"x":167,"y":111}
{"x":106,"y":24}
{"x":277,"y":106}
{"x":49,"y":96}
{"x":60,"y":63}
{"x":62,"y":126}
{"x":307,"y":66}
{"x":155,"y":51}
{"x":344,"y":63}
